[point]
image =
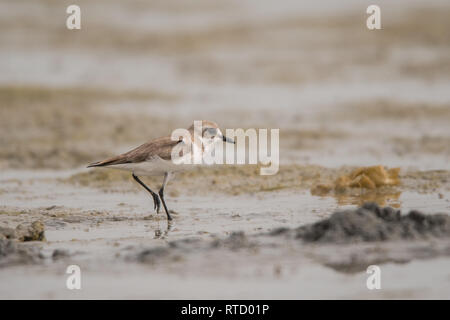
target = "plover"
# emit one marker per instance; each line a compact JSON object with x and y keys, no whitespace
{"x":154,"y":158}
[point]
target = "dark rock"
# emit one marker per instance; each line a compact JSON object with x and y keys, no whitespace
{"x":372,"y":223}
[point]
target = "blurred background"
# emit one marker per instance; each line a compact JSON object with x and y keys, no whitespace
{"x":341,"y":94}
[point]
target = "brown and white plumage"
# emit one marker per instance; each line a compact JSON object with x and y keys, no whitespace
{"x":154,"y":158}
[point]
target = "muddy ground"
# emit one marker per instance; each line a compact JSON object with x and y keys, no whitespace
{"x":343,"y":98}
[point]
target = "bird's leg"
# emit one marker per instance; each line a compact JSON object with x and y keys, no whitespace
{"x":161,"y":194}
{"x":156,"y":201}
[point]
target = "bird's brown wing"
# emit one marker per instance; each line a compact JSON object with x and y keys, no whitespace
{"x":161,"y":147}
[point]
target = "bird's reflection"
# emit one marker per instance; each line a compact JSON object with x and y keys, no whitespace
{"x":163,"y":234}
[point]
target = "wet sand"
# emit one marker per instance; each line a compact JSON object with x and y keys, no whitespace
{"x":340,"y":102}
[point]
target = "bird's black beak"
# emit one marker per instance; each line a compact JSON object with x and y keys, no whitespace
{"x":229,"y":140}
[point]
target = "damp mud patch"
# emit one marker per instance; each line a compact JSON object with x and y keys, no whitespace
{"x":348,"y":241}
{"x":175,"y":250}
{"x":351,"y":240}
{"x":229,"y":179}
{"x":15,"y":253}
{"x":372,"y":223}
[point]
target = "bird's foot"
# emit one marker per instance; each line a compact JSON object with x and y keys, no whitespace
{"x":156,"y":202}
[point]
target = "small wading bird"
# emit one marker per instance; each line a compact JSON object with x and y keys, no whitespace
{"x":154,"y":158}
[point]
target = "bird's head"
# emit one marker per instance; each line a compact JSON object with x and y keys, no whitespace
{"x":210,"y":132}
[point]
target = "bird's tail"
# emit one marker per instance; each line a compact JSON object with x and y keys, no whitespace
{"x":111,"y":161}
{"x":96,"y":164}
